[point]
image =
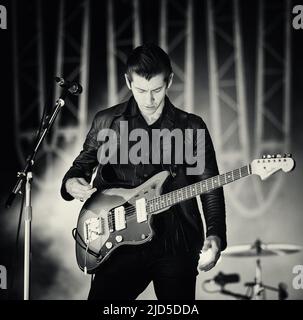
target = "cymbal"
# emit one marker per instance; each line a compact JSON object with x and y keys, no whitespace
{"x":260,"y":249}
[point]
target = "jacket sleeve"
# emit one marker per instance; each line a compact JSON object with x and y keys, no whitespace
{"x":213,"y":202}
{"x":83,"y":166}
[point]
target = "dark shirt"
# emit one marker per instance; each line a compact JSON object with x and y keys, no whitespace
{"x":169,"y":237}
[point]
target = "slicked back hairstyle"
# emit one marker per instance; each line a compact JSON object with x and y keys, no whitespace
{"x":148,"y":61}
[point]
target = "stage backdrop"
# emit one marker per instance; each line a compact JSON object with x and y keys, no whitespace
{"x":237,"y":65}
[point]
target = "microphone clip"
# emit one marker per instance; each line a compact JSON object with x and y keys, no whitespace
{"x":72,"y":87}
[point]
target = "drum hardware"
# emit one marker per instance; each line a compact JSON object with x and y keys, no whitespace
{"x":256,"y":290}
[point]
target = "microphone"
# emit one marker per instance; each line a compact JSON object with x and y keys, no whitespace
{"x":73,"y":87}
{"x":223,"y":279}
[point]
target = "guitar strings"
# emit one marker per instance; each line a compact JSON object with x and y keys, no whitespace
{"x":171,"y":198}
{"x":132,"y":209}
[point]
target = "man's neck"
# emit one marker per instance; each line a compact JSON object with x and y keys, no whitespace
{"x":150,"y":119}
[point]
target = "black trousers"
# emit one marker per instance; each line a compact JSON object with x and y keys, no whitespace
{"x":129,"y":270}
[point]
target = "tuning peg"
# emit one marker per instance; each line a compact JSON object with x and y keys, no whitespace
{"x":264,"y":156}
{"x":279,"y":156}
{"x":287,"y":155}
{"x":273,"y":156}
{"x":268,"y":156}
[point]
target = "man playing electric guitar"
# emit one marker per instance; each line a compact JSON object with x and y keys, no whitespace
{"x":170,"y":259}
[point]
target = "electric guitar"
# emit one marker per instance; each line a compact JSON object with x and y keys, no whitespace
{"x":118,"y":216}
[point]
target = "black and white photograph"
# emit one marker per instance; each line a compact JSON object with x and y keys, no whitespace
{"x":151,"y":150}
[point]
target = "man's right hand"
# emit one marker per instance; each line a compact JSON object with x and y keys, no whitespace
{"x":79,"y":188}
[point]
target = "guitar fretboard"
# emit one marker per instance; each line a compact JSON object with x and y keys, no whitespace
{"x":193,"y":190}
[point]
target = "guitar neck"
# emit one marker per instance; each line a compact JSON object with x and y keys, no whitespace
{"x":174,"y":197}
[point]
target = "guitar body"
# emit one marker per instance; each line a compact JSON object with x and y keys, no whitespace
{"x":94,"y":227}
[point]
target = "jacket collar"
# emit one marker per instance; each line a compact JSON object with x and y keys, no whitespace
{"x":130,"y":108}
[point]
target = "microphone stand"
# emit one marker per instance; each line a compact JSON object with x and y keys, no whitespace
{"x":25,"y":179}
{"x":234,"y":294}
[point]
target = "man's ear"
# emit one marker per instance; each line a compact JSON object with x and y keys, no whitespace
{"x":170,"y":80}
{"x":127,"y":82}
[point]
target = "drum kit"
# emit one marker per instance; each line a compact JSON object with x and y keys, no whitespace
{"x":258,"y":250}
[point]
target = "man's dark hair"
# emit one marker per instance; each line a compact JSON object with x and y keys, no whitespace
{"x":148,"y":61}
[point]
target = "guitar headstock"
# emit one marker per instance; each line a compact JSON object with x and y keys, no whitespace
{"x":270,"y":164}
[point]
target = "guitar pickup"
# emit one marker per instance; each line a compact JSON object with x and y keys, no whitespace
{"x":120,"y":222}
{"x":141,"y":210}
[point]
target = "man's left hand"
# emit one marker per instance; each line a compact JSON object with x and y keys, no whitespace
{"x":210,"y":254}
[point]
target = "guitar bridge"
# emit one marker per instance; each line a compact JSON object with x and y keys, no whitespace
{"x":93,"y":228}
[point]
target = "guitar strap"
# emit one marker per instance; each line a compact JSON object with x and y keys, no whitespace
{"x":107,"y":124}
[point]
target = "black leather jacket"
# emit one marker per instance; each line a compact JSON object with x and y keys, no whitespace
{"x":213,"y":203}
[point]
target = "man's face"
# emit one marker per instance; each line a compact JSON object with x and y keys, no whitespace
{"x":149,"y":94}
